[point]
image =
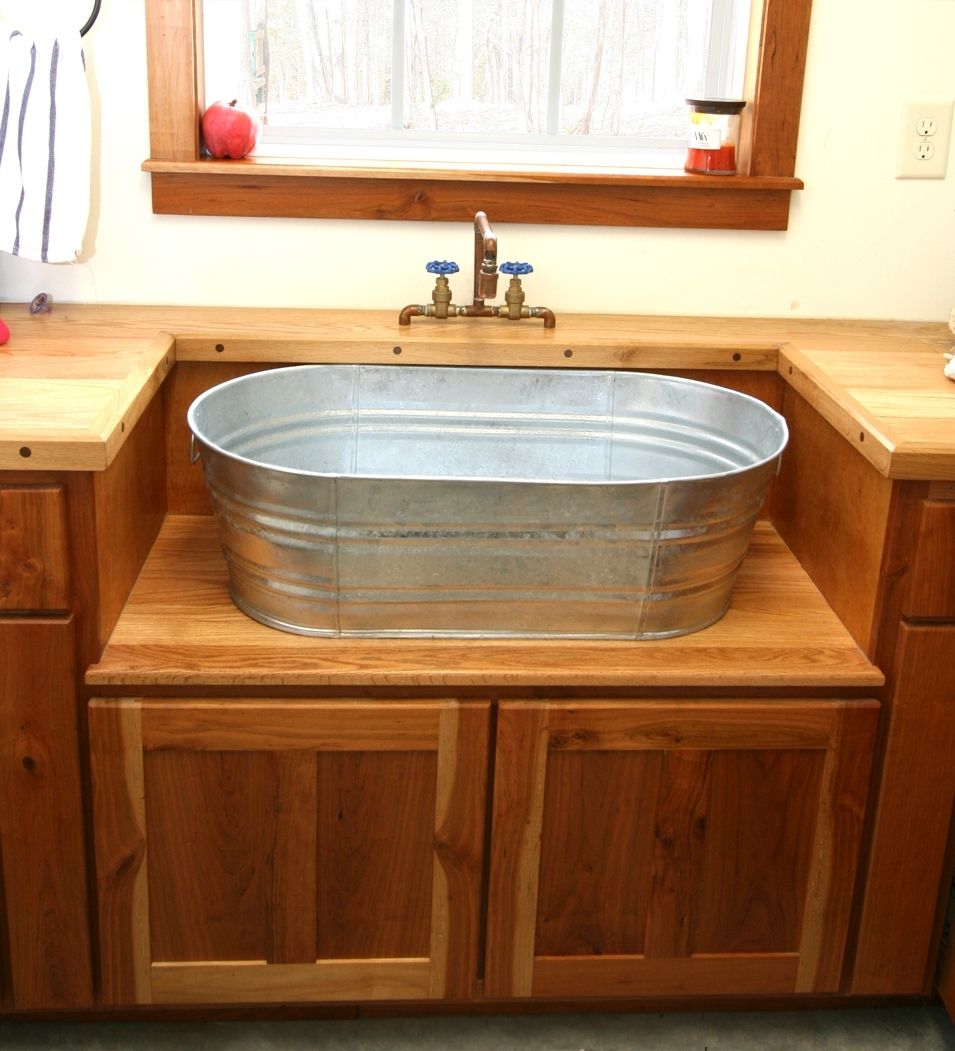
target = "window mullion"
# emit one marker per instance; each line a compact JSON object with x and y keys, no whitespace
{"x":727,"y":47}
{"x":554,"y":66}
{"x":398,"y":51}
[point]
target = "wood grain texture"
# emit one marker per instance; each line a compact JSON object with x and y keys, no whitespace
{"x":771,"y":130}
{"x":895,"y":409}
{"x":375,"y":854}
{"x":589,"y":903}
{"x":250,"y":725}
{"x":714,"y":725}
{"x":180,"y":627}
{"x":211,"y":826}
{"x":684,"y":861}
{"x":913,"y":810}
{"x":849,"y":507}
{"x":320,"y":863}
{"x":34,"y":556}
{"x":931,"y":590}
{"x":41,"y":817}
{"x":459,"y":849}
{"x":516,"y":822}
{"x":75,"y":381}
{"x":567,"y":977}
{"x":129,"y":507}
{"x":762,"y":809}
{"x":487,"y":170}
{"x":119,"y":826}
{"x":173,"y":58}
{"x":680,"y":812}
{"x":322,"y":981}
{"x":843,"y":796}
{"x":72,"y":390}
{"x":635,"y":202}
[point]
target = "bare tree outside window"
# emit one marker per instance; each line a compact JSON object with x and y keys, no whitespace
{"x":569,"y":70}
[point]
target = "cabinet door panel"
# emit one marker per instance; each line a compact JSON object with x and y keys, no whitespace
{"x":756,"y":850}
{"x":588,"y":903}
{"x":665,"y":847}
{"x":326,"y":851}
{"x":222,"y":829}
{"x":375,"y":832}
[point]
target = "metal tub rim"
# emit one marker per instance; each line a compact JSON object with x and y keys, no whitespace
{"x":196,"y":435}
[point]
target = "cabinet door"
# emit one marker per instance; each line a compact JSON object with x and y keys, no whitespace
{"x":663,"y":848}
{"x":288,"y":851}
{"x":42,"y":852}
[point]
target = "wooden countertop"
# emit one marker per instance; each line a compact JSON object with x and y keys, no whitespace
{"x":180,"y":629}
{"x":74,"y":381}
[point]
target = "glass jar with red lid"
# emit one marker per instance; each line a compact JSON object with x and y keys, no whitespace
{"x":713,"y":136}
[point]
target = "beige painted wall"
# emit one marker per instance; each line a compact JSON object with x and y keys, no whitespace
{"x":860,"y":243}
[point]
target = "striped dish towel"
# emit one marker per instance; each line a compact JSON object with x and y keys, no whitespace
{"x":44,"y":145}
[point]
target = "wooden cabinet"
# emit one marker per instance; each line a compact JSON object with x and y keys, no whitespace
{"x":650,"y":843}
{"x":887,"y":567}
{"x":663,"y":847}
{"x":44,"y":930}
{"x":288,"y":850}
{"x":256,"y":851}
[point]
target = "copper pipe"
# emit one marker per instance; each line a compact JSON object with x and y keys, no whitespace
{"x":477,"y":310}
{"x":550,"y":320}
{"x":410,"y":311}
{"x":485,"y":260}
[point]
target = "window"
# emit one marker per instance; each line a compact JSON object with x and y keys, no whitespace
{"x":511,"y":191}
{"x":546,"y":81}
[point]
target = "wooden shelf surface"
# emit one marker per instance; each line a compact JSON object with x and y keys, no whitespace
{"x":180,"y":629}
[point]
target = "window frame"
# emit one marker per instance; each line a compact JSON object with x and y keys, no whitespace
{"x":756,"y":198}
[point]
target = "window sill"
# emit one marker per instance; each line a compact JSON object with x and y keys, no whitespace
{"x":584,"y":197}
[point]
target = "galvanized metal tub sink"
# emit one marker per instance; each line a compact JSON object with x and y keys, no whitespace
{"x":404,"y":500}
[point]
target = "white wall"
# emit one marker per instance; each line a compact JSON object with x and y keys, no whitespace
{"x":860,"y":243}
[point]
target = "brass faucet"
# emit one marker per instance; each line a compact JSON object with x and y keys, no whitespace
{"x":485,"y":260}
{"x":485,"y":285}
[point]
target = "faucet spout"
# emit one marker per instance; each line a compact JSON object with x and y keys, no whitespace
{"x":485,"y":260}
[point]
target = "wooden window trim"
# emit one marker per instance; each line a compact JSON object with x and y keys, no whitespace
{"x":757,"y":198}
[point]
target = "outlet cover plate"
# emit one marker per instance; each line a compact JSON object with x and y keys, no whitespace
{"x":922,"y":156}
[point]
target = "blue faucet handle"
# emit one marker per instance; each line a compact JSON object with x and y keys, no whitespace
{"x":518,"y":269}
{"x":441,"y":266}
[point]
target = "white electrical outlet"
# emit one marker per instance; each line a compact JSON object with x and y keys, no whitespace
{"x":924,"y":133}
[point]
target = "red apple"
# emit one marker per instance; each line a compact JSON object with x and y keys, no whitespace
{"x":229,"y":130}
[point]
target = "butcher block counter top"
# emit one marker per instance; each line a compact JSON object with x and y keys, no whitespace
{"x":75,"y":380}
